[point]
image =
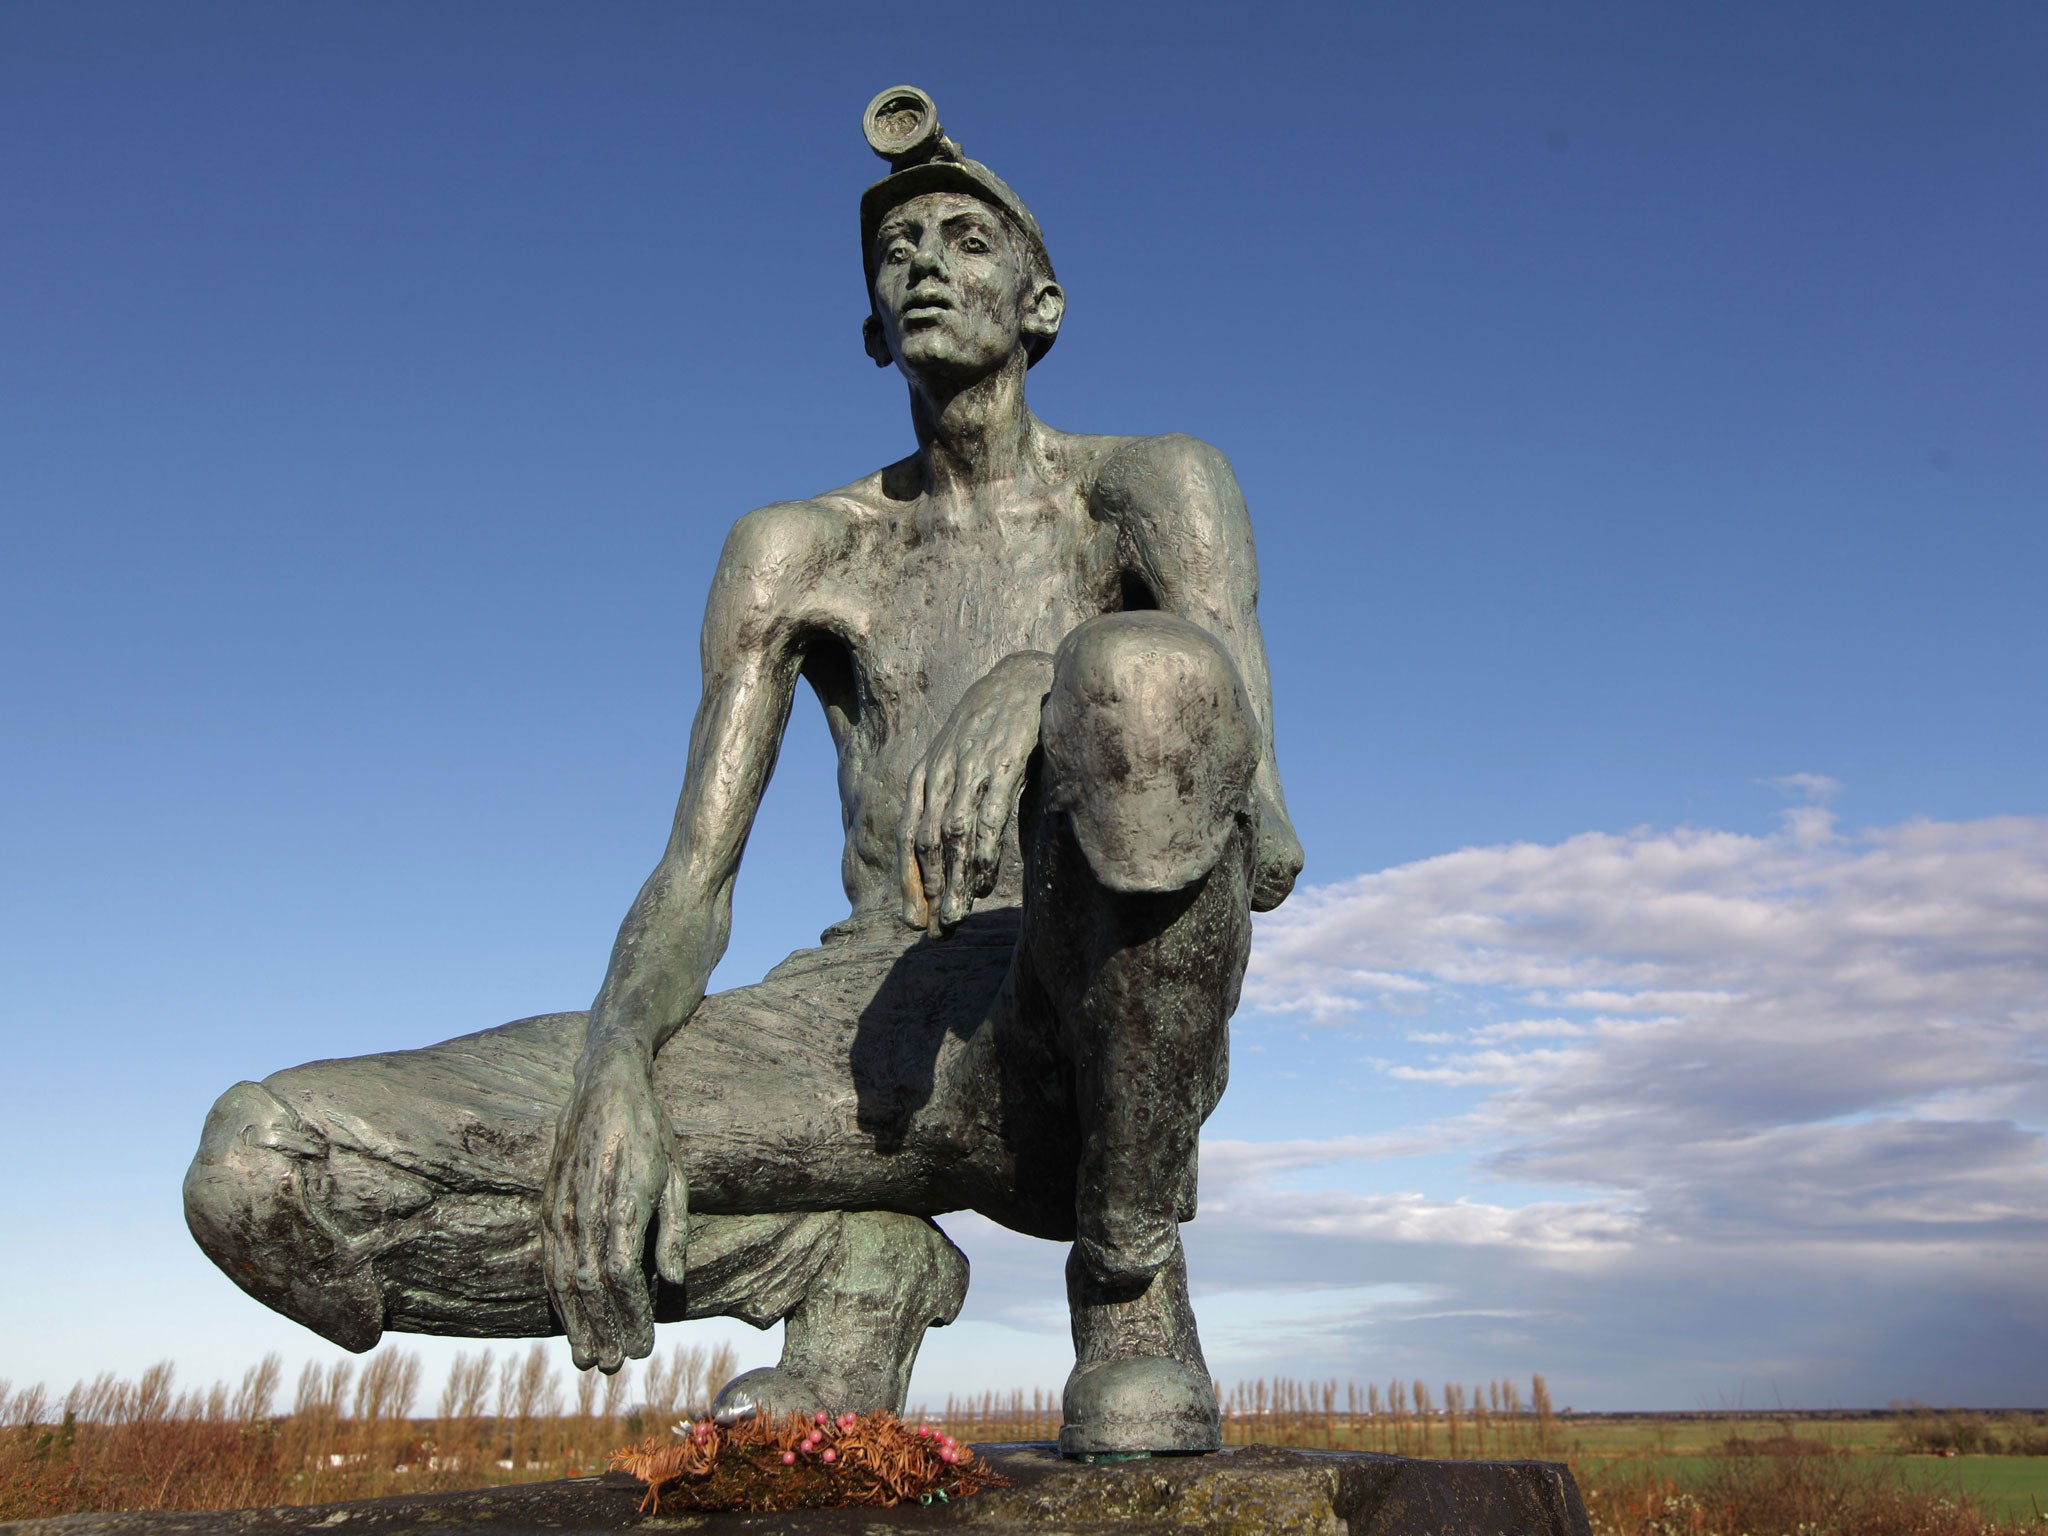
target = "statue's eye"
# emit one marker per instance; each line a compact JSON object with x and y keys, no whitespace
{"x":974,"y":243}
{"x":897,"y":253}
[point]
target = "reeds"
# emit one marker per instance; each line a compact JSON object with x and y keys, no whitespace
{"x":351,"y":1432}
{"x":1485,"y":1422}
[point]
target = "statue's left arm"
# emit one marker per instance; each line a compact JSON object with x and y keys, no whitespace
{"x":1187,"y":537}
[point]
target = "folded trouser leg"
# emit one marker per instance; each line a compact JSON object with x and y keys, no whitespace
{"x":854,"y":1292}
{"x":856,"y":1333}
{"x":1146,"y":1037}
{"x":402,"y":1194}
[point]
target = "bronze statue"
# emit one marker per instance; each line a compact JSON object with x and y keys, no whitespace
{"x":1039,"y":656}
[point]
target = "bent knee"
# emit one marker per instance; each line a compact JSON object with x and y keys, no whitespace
{"x":246,"y":1204}
{"x":1150,"y":746}
{"x":237,"y":1191}
{"x":1149,"y":664}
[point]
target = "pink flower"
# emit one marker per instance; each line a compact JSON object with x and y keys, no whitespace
{"x":789,"y":1458}
{"x":829,"y":1456}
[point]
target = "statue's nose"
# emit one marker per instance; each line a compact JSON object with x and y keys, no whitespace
{"x":929,"y":260}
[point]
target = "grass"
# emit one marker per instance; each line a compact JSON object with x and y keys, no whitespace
{"x":353,"y":1432}
{"x":111,"y":1444}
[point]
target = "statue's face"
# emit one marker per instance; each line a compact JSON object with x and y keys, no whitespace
{"x":954,"y":288}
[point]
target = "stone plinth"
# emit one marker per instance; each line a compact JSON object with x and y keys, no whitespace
{"x":1243,"y":1491}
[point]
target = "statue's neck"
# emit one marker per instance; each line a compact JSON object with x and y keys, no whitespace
{"x":980,"y":435}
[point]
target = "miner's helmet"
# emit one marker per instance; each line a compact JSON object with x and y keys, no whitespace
{"x":902,"y":126}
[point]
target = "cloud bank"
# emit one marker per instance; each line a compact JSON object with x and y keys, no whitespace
{"x":1739,"y":1115}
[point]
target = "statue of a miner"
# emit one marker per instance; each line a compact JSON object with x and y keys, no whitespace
{"x":1039,"y":656}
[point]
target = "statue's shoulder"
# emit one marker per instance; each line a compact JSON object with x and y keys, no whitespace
{"x":879,"y":497}
{"x":1168,"y":455}
{"x":781,"y":552}
{"x":1155,"y":477}
{"x":788,"y":538}
{"x":774,"y":559}
{"x":829,"y":517}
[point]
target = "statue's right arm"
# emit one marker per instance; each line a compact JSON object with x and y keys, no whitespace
{"x":613,"y":1170}
{"x":680,"y":922}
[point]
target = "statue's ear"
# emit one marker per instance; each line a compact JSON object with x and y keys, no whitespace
{"x":1043,"y":314}
{"x":875,"y":342}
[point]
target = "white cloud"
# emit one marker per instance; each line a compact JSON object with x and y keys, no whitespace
{"x":1780,"y":1097}
{"x":1532,"y":1029}
{"x":1814,"y":788}
{"x":1556,"y":1227}
{"x":1237,"y":1164}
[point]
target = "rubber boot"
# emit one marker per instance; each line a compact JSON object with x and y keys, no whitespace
{"x":1140,"y":1385}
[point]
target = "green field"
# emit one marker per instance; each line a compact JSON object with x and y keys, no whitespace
{"x":2013,"y":1488}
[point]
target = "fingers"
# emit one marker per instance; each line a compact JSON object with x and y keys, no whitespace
{"x":968,"y":791}
{"x":592,"y":1249}
{"x":931,"y":835}
{"x":959,"y":803}
{"x":556,"y":1241}
{"x":672,"y":1236}
{"x":988,"y":839}
{"x":959,"y":837}
{"x":916,"y":911}
{"x":624,"y":1276}
{"x":558,"y":1267}
{"x":982,"y":820}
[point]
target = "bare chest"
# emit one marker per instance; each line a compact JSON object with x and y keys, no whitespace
{"x":932,"y":602}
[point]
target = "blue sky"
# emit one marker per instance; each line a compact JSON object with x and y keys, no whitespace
{"x":1640,"y":410}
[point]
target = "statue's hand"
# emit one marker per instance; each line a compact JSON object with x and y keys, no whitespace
{"x":614,"y":1171}
{"x":962,"y":794}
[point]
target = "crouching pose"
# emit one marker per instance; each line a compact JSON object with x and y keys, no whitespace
{"x":1039,"y":657}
